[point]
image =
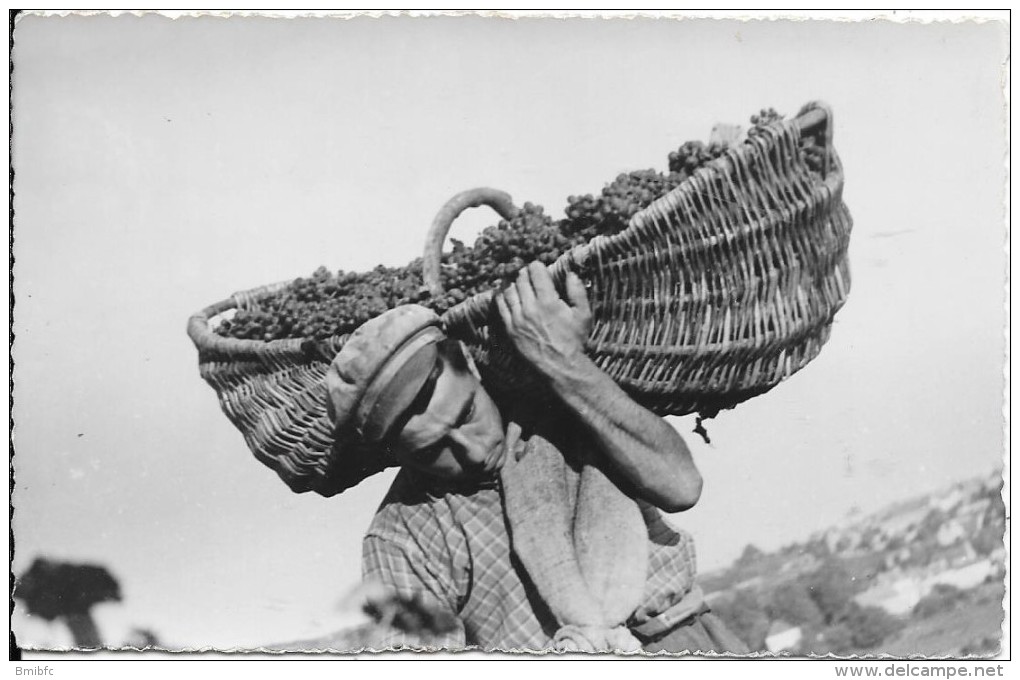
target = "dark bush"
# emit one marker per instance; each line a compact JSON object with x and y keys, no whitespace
{"x":869,"y":626}
{"x":832,"y":588}
{"x":986,"y":646}
{"x":837,"y":639}
{"x":744,"y":613}
{"x":942,"y":597}
{"x":791,"y":602}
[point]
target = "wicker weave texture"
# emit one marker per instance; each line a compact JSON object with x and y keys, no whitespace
{"x":715,"y":293}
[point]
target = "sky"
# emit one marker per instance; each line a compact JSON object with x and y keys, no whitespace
{"x":162,"y":165}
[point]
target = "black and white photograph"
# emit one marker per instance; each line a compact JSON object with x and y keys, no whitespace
{"x":392,"y":335}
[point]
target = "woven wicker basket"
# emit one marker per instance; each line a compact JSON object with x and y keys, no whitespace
{"x":715,"y":293}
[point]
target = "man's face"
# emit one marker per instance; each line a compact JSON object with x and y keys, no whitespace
{"x":459,"y":433}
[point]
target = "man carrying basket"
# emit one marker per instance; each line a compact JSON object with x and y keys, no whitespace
{"x":533,"y":521}
{"x":534,"y":525}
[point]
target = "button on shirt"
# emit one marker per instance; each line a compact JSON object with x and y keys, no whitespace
{"x":451,"y":549}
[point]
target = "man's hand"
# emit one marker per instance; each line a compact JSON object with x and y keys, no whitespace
{"x":548,"y":332}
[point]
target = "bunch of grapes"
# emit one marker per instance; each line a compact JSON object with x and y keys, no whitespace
{"x":693,"y":155}
{"x":762,"y":119}
{"x":499,"y":252}
{"x":326,"y":304}
{"x":610,"y":212}
{"x":811,"y":152}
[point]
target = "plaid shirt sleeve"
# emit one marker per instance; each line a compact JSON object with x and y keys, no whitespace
{"x":409,"y":576}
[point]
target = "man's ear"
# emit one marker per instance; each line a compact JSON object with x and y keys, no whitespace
{"x":470,"y":360}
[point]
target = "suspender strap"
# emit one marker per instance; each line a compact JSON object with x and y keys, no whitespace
{"x":691,"y":604}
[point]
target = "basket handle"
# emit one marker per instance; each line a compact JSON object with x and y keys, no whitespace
{"x":499,"y":201}
{"x":816,"y":118}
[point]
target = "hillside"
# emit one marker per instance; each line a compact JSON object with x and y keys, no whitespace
{"x":920,"y":577}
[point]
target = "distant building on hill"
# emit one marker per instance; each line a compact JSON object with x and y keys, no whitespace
{"x":976,"y":508}
{"x":949,"y":533}
{"x":946,"y":502}
{"x":963,"y":577}
{"x":801,"y":564}
{"x":900,"y":595}
{"x":960,"y":554}
{"x":905,"y":522}
{"x":896,"y":597}
{"x":749,"y":584}
{"x":782,"y":637}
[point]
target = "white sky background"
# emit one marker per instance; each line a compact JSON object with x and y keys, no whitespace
{"x":161,"y":165}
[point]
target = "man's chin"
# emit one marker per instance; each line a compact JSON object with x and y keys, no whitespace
{"x":463,"y":476}
{"x":482,"y":473}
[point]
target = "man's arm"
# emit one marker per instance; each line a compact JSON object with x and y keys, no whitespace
{"x":550,"y":333}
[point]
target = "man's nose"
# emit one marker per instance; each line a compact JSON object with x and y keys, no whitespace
{"x":475,"y":451}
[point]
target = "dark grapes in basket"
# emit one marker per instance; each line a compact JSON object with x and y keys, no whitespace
{"x":327,"y":304}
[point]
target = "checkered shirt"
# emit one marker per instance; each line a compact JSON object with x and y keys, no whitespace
{"x":451,"y":548}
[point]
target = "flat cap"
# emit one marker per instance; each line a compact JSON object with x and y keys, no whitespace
{"x":380,"y":370}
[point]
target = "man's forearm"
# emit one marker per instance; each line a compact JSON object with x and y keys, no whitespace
{"x":549,"y":332}
{"x":641,"y":446}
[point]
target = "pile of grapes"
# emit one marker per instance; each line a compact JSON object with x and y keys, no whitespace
{"x":326,"y":304}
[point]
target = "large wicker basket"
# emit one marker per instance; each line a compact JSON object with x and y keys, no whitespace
{"x":715,"y":293}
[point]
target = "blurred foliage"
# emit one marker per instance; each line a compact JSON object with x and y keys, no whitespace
{"x":820,"y":602}
{"x":837,"y":639}
{"x":409,"y":615}
{"x":744,"y":613}
{"x":986,"y":646}
{"x":832,"y":588}
{"x":790,"y":601}
{"x":869,"y":626}
{"x":942,"y":597}
{"x":52,"y":589}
